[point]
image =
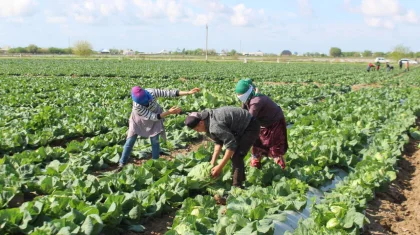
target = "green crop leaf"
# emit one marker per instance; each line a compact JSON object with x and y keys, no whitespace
{"x":135,"y":213}
{"x":415,"y":134}
{"x":353,"y":217}
{"x":92,"y":225}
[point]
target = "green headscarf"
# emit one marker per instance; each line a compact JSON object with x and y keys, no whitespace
{"x":243,"y":86}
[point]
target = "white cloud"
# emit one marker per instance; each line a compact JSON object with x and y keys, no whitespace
{"x":92,"y":11}
{"x":107,"y":8}
{"x":379,"y":22}
{"x":56,"y":19}
{"x":159,"y":9}
{"x":217,"y":7}
{"x":213,"y":11}
{"x":239,"y":17}
{"x":243,"y":16}
{"x":202,"y":19}
{"x":410,"y":17}
{"x":197,"y":12}
{"x":377,"y":8}
{"x":15,"y":20}
{"x":17,"y":8}
{"x":383,"y":13}
{"x":305,"y":7}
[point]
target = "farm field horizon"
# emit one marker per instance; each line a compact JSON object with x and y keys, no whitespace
{"x":63,"y":124}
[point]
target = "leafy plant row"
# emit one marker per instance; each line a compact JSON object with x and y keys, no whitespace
{"x":290,"y":72}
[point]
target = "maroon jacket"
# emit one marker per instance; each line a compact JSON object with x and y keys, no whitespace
{"x":264,"y":110}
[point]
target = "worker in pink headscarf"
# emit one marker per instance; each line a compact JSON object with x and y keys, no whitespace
{"x":147,"y":117}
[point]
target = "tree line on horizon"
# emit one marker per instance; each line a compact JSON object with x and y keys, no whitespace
{"x":84,"y":48}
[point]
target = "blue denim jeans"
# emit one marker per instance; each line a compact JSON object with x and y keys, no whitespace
{"x":128,"y":147}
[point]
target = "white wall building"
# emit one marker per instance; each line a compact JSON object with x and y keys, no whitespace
{"x":128,"y":52}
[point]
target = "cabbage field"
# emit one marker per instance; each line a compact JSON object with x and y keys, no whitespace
{"x":63,"y":124}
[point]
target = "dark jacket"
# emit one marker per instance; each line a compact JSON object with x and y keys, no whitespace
{"x":226,"y":124}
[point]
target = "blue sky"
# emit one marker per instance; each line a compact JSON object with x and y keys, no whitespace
{"x":250,"y":25}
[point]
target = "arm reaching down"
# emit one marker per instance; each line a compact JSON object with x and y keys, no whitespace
{"x":215,"y":171}
{"x":193,"y":91}
{"x":216,"y":152}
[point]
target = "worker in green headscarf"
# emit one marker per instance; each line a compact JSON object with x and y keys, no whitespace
{"x":272,"y":140}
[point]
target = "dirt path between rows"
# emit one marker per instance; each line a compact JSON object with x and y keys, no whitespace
{"x":397,"y":209}
{"x":361,"y":86}
{"x":156,"y":225}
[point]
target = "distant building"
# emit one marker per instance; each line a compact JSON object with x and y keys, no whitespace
{"x":129,"y":52}
{"x":105,"y":51}
{"x":163,"y":52}
{"x":4,"y":50}
{"x":223,"y":53}
{"x":258,"y":53}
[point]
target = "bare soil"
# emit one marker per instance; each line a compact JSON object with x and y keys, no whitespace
{"x":396,"y":211}
{"x":361,"y":86}
{"x":21,"y":198}
{"x":194,"y":146}
{"x":156,"y":225}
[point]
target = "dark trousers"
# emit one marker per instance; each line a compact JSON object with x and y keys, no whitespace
{"x":245,"y":142}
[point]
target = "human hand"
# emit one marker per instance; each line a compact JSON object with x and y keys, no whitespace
{"x":195,"y":90}
{"x":215,"y":171}
{"x":175,"y":110}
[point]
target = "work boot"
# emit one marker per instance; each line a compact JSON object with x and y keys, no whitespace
{"x":119,"y":168}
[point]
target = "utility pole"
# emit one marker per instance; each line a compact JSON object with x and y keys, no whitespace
{"x":207,"y":39}
{"x":240,"y":46}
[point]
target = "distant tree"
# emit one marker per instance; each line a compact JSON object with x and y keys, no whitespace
{"x":114,"y":51}
{"x":417,"y":54}
{"x":42,"y":50}
{"x":346,"y":54}
{"x":18,"y":50}
{"x":350,"y":54}
{"x":367,"y":53}
{"x":55,"y":50}
{"x":198,"y":51}
{"x":286,"y":53}
{"x":379,"y":54}
{"x":68,"y":50}
{"x":399,"y":52}
{"x":335,"y":52}
{"x":232,"y":52}
{"x":410,"y":54}
{"x":312,"y":54}
{"x":32,"y":49}
{"x":82,"y":48}
{"x":211,"y":52}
